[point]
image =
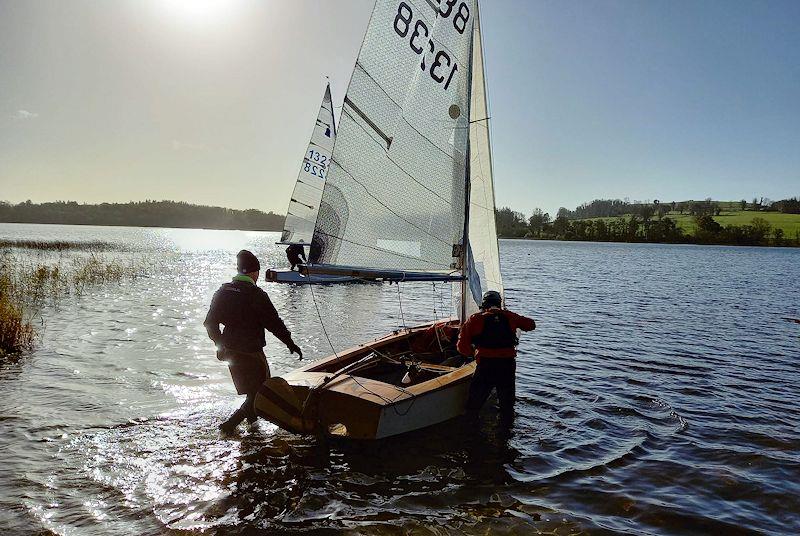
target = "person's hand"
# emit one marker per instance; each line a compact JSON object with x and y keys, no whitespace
{"x":294,"y":349}
{"x":221,"y":352}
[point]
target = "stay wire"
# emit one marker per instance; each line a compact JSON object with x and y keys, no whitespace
{"x":435,"y":316}
{"x":389,"y":401}
{"x":321,"y":323}
{"x":400,"y":301}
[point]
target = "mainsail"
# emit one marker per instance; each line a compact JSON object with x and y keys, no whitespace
{"x":304,"y":203}
{"x":397,"y":194}
{"x":394,"y":197}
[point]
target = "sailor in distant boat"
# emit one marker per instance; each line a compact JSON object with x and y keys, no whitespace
{"x":490,"y":335}
{"x":245,"y":311}
{"x":296,"y":255}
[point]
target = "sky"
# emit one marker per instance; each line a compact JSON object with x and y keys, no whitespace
{"x":213,"y":101}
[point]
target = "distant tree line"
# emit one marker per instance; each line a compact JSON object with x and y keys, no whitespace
{"x":640,"y":226}
{"x":610,"y":208}
{"x":630,"y":228}
{"x":758,"y":233}
{"x":787,"y":206}
{"x":141,"y":214}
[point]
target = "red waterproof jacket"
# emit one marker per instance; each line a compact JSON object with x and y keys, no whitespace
{"x":472,"y":329}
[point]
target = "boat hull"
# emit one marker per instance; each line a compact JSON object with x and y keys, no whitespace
{"x":321,"y":398}
{"x":424,"y":410}
{"x":293,"y":277}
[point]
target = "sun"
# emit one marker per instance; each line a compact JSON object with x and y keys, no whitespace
{"x":198,"y":11}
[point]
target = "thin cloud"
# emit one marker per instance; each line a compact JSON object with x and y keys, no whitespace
{"x":25,"y":114}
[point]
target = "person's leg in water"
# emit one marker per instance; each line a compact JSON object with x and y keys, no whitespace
{"x":249,"y":403}
{"x":259,"y":372}
{"x":245,"y":411}
{"x":506,"y":390}
{"x":479,"y":389}
{"x":235,"y":419}
{"x":249,"y":407}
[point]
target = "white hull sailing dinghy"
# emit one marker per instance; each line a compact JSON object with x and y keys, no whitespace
{"x":298,"y":228}
{"x":409,"y":196}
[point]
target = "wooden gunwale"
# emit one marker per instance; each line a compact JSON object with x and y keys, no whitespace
{"x":395,"y":393}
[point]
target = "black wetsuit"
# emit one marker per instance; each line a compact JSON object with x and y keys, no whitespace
{"x":295,"y":255}
{"x":245,"y":311}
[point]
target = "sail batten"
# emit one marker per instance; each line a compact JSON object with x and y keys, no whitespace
{"x":308,"y":189}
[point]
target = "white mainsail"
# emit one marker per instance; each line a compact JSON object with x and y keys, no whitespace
{"x":304,"y":203}
{"x":394,"y":196}
{"x":397,"y":191}
{"x":484,"y":272}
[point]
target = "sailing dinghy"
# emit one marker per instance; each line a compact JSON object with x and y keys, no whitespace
{"x":298,"y":228}
{"x":409,"y":196}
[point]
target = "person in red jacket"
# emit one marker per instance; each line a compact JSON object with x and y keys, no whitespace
{"x":490,"y":335}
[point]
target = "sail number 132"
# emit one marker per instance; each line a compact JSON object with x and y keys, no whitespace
{"x":443,"y":67}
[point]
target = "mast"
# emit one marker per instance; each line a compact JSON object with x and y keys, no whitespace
{"x":333,"y":112}
{"x":465,"y":239}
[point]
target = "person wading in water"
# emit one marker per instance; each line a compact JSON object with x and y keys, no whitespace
{"x":245,"y":311}
{"x":491,"y":336}
{"x":296,"y":255}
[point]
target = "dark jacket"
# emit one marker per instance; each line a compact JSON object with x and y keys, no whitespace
{"x":469,"y":338}
{"x":246,"y":311}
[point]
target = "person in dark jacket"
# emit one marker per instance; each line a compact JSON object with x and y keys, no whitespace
{"x":296,"y":255}
{"x":245,"y":311}
{"x":490,"y":335}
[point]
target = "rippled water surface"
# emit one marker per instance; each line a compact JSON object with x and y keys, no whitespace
{"x":660,"y":394}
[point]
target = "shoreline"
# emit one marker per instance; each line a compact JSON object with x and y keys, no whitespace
{"x":684,"y":243}
{"x":540,"y":239}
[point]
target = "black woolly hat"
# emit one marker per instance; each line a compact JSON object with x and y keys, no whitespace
{"x":246,"y":262}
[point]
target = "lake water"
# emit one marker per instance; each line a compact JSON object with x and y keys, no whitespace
{"x":660,"y":394}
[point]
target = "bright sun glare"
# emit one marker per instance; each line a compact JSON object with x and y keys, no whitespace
{"x":198,"y":11}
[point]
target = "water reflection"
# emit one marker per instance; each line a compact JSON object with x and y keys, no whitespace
{"x":203,"y":240}
{"x":648,"y":402}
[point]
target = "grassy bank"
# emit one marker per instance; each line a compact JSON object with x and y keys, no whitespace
{"x":25,"y":287}
{"x":790,"y":223}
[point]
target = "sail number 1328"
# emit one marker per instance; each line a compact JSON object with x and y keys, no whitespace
{"x":443,"y":67}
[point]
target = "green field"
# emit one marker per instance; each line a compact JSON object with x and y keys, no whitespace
{"x":790,"y":223}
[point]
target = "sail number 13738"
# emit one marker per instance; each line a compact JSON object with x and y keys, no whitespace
{"x":443,"y":68}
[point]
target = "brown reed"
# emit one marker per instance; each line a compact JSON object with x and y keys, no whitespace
{"x":25,"y":288}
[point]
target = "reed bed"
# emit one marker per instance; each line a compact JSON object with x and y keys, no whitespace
{"x":25,"y":287}
{"x":59,"y":245}
{"x":16,"y":331}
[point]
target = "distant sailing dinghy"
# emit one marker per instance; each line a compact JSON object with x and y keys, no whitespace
{"x":409,"y":196}
{"x":304,"y":204}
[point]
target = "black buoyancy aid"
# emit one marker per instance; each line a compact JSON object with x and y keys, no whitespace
{"x":497,"y":332}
